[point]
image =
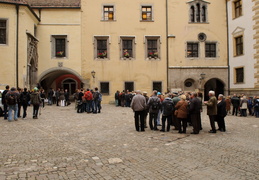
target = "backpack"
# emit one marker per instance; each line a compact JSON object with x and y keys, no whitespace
{"x":169,"y":107}
{"x":155,"y":105}
{"x":24,"y":97}
{"x":257,"y":103}
{"x":11,"y":99}
{"x":100,"y":98}
{"x":96,"y":95}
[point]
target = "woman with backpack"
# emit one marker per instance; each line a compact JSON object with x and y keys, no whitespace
{"x":35,"y":101}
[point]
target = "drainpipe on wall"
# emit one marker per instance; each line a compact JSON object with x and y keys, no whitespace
{"x":228,"y":49}
{"x":17,"y":45}
{"x":167,"y":47}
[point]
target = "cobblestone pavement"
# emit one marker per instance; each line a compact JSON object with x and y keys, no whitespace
{"x":62,"y":144}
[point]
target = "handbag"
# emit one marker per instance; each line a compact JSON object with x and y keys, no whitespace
{"x":176,"y":112}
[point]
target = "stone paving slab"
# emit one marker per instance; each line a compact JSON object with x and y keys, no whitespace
{"x":63,"y":144}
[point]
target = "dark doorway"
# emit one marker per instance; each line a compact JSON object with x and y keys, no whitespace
{"x":214,"y":85}
{"x":70,"y":85}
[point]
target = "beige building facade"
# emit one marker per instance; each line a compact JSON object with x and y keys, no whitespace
{"x":168,"y":45}
{"x":197,"y":43}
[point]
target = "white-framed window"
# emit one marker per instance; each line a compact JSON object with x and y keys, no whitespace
{"x":147,"y":13}
{"x":59,"y":46}
{"x":3,"y":31}
{"x":108,"y":13}
{"x":192,"y":50}
{"x":198,"y":12}
{"x":101,"y":47}
{"x":152,"y":47}
{"x":127,"y":47}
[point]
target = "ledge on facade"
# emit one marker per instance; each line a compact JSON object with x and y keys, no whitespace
{"x":198,"y":67}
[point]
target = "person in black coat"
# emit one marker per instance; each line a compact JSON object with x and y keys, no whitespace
{"x":221,"y":113}
{"x":195,"y":113}
{"x":25,"y":98}
{"x":235,"y":102}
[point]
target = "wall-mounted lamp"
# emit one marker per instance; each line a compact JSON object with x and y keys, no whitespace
{"x":93,"y":74}
{"x":202,"y":76}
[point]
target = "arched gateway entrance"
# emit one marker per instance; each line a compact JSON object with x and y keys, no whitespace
{"x":61,"y":78}
{"x":214,"y":85}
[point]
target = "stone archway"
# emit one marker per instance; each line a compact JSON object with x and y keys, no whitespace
{"x":54,"y":78}
{"x":215,"y":85}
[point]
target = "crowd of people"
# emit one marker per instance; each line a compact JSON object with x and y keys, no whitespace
{"x":88,"y":101}
{"x":14,"y":100}
{"x":180,"y":109}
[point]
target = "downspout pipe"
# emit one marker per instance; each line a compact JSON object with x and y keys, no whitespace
{"x":17,"y":44}
{"x":228,"y":64}
{"x":167,"y":47}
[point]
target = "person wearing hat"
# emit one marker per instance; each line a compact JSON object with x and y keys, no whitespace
{"x":11,"y":99}
{"x":35,"y":101}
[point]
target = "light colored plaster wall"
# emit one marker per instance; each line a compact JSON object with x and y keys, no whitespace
{"x":247,"y":59}
{"x":127,"y":22}
{"x":184,"y":31}
{"x":60,"y":22}
{"x":8,"y":51}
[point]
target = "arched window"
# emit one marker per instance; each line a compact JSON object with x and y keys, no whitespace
{"x":198,"y":15}
{"x":198,"y":12}
{"x":203,"y":14}
{"x":192,"y":14}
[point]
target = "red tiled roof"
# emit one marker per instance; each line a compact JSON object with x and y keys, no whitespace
{"x":54,"y":3}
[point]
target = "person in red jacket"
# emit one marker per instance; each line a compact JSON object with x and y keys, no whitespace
{"x":89,"y":100}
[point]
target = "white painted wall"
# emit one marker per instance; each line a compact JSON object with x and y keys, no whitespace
{"x":247,"y":60}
